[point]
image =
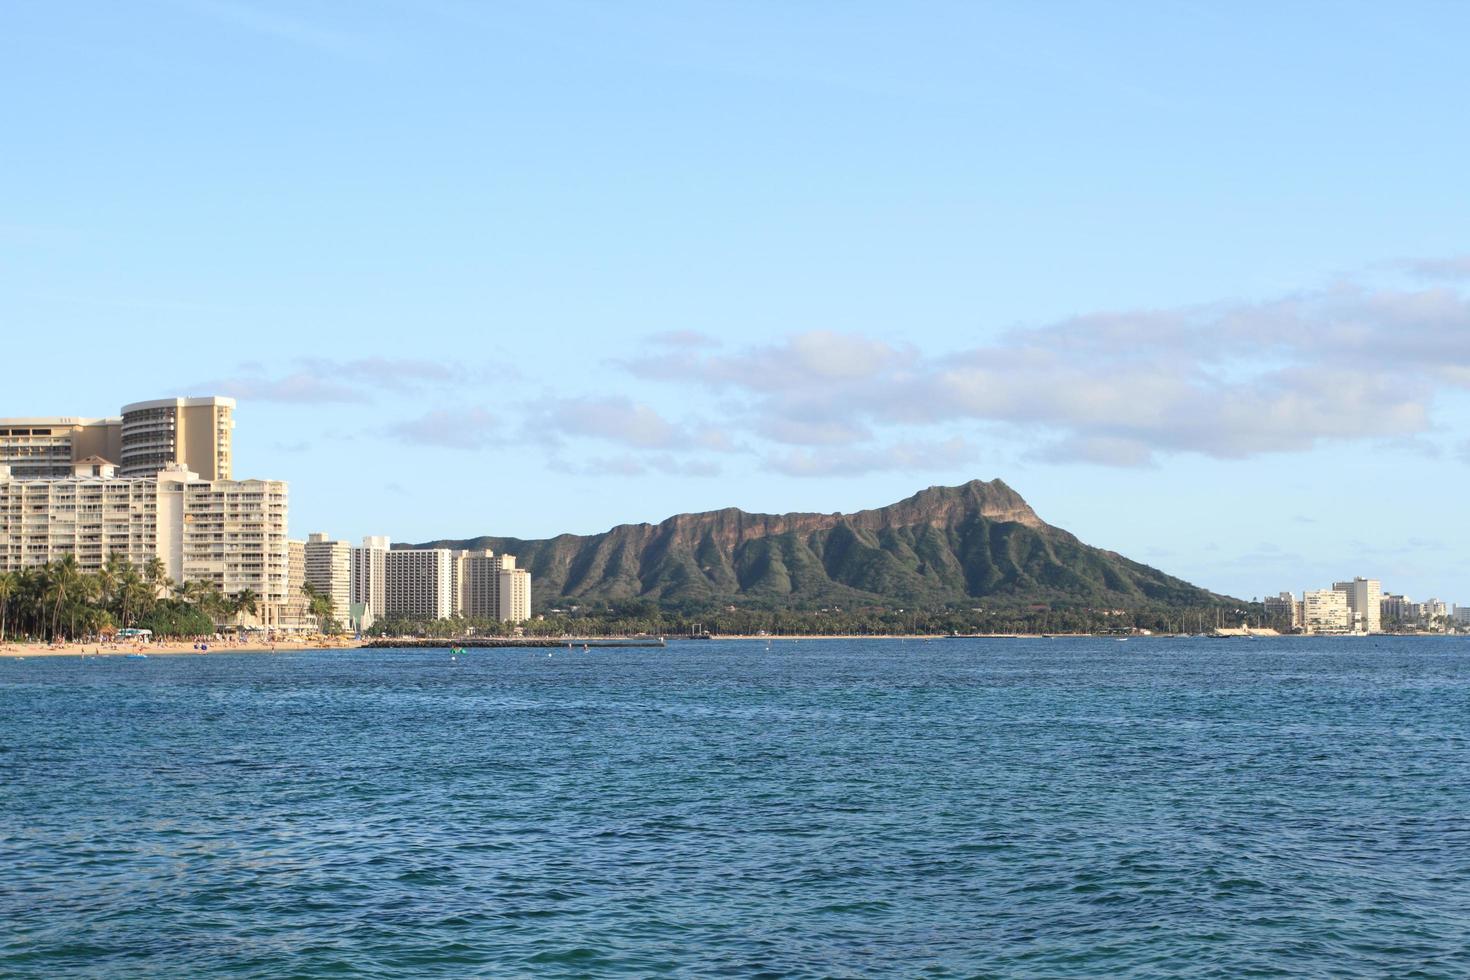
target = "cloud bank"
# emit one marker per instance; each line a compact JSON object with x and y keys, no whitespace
{"x":1230,"y":381}
{"x":1356,"y":362}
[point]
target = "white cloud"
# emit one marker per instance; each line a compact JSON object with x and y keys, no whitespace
{"x":1346,"y":363}
{"x":906,"y":456}
{"x":613,"y":418}
{"x":629,"y":464}
{"x":1453,"y":269}
{"x":466,"y":429}
{"x":297,"y":387}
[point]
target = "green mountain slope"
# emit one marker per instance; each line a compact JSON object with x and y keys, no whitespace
{"x":946,"y":545}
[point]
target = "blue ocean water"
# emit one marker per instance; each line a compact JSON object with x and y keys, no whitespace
{"x":819,"y":808}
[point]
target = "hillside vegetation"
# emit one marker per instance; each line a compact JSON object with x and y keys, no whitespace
{"x":942,"y":546}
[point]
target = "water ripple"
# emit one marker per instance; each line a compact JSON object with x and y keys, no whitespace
{"x":819,"y":809}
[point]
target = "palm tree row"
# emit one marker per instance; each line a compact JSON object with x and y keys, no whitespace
{"x":60,"y":599}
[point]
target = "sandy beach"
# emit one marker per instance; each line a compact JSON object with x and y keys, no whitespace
{"x":167,"y":648}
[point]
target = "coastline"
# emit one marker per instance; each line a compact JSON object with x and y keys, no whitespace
{"x":20,"y":651}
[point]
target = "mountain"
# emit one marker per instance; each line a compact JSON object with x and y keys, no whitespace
{"x":943,"y":545}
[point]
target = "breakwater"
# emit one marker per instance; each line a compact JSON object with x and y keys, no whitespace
{"x":503,"y":641}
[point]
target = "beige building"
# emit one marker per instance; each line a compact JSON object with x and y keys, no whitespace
{"x":1365,"y":603}
{"x":146,"y":438}
{"x":491,"y":587}
{"x":329,"y":570}
{"x":48,"y":448}
{"x":1326,"y":611}
{"x":229,"y":533}
{"x":195,"y":432}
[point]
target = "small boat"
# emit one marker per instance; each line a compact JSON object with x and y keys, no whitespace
{"x":135,"y":656}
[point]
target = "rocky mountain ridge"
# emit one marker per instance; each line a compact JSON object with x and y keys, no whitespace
{"x":943,"y":545}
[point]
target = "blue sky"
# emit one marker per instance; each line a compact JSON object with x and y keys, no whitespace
{"x":1192,"y":278}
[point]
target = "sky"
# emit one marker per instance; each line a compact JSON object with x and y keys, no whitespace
{"x":1193,"y":278}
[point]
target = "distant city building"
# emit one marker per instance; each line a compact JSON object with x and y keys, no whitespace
{"x":1432,"y":610}
{"x":438,"y":583}
{"x":1283,"y":610}
{"x":295,"y":611}
{"x":1397,"y":609}
{"x":1364,"y":599}
{"x":419,"y":582}
{"x":148,"y":437}
{"x":329,"y":571}
{"x":369,"y":574}
{"x":228,"y":533}
{"x":195,"y":432}
{"x":48,"y":448}
{"x":1326,"y":611}
{"x":369,"y":580}
{"x":491,"y":587}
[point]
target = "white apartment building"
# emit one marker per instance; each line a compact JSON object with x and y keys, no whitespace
{"x":1430,"y":610}
{"x":419,"y":582}
{"x":329,"y":570}
{"x":370,"y":577}
{"x":295,"y":613}
{"x":438,"y":583}
{"x":1365,"y":603}
{"x":89,"y":515}
{"x":230,"y":533}
{"x":1326,"y":611}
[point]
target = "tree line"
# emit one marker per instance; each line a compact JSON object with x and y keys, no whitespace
{"x":644,"y":616}
{"x":59,"y":600}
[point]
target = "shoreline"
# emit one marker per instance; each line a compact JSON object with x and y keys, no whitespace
{"x":20,"y":651}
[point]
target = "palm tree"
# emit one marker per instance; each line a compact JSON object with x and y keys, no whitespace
{"x":132,"y":591}
{"x":244,"y":601}
{"x":319,"y":604}
{"x":64,"y":578}
{"x":155,"y":573}
{"x":9,"y":586}
{"x":84,"y":601}
{"x":111,"y":574}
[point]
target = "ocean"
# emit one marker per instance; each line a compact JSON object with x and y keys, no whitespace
{"x":945,"y":808}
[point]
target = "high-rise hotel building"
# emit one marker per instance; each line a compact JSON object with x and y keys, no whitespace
{"x":439,"y":583}
{"x":370,"y":577}
{"x":154,"y":482}
{"x":1365,"y":603}
{"x":419,"y":583}
{"x":229,"y":533}
{"x":329,"y":570}
{"x":491,"y":587}
{"x":144,"y":439}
